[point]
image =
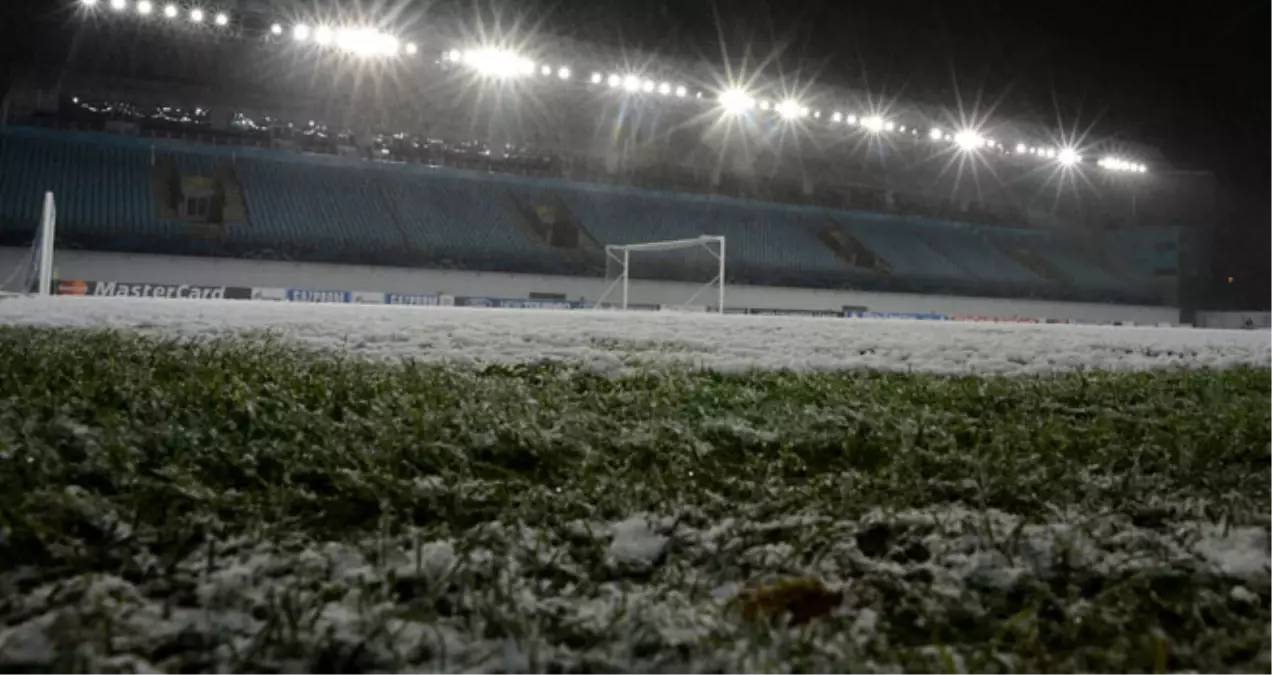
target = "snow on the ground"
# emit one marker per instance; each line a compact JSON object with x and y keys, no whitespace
{"x":607,"y":341}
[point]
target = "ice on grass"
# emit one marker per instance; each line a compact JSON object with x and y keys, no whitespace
{"x":610,"y":342}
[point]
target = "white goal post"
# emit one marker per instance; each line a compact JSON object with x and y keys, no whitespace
{"x":621,"y":256}
{"x":34,"y":272}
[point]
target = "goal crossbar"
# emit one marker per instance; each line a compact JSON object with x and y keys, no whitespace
{"x":621,"y":255}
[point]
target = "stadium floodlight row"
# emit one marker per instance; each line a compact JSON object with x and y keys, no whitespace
{"x":502,"y":64}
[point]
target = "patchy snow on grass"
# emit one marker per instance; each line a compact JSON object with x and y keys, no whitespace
{"x":609,"y":342}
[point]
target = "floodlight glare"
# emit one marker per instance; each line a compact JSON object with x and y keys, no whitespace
{"x":300,"y":32}
{"x":851,"y":119}
{"x":681,"y":91}
{"x":563,"y":73}
{"x":647,"y":85}
{"x":89,"y":3}
{"x":817,"y":115}
{"x":276,"y":29}
{"x":614,"y":81}
{"x":935,"y":134}
{"x":788,"y":109}
{"x":196,"y":15}
{"x":968,"y":140}
{"x":764,"y":105}
{"x":1069,"y":157}
{"x":837,"y":117}
{"x":546,"y":70}
{"x":498,"y":63}
{"x":596,"y":78}
{"x":411,"y":48}
{"x":221,"y":19}
{"x":454,"y":55}
{"x":119,"y":5}
{"x":1020,"y":148}
{"x":889,"y":126}
{"x":631,"y":83}
{"x":664,"y":88}
{"x":323,"y":35}
{"x":144,"y":7}
{"x":873,"y":123}
{"x":736,"y":101}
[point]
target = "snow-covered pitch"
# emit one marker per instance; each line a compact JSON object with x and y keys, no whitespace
{"x":612,"y":341}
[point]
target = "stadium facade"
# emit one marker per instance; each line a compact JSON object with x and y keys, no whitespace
{"x":251,"y":138}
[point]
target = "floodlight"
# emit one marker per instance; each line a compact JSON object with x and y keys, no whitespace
{"x":563,"y":73}
{"x":196,"y":15}
{"x":170,"y":11}
{"x":631,"y":83}
{"x":221,"y":19}
{"x":1020,"y":148}
{"x":889,"y":126}
{"x":119,"y":5}
{"x":968,"y":140}
{"x":411,"y":48}
{"x":788,"y":109}
{"x":1069,"y":157}
{"x":647,"y":85}
{"x":681,"y":91}
{"x":546,"y":70}
{"x":323,"y":35}
{"x":851,"y":119}
{"x":276,"y":29}
{"x":454,"y":55}
{"x":614,"y":81}
{"x":901,"y":128}
{"x":817,"y":115}
{"x":144,"y":7}
{"x":1142,"y":168}
{"x":837,"y":117}
{"x":89,"y":3}
{"x":873,"y":123}
{"x":301,"y":32}
{"x":935,"y":134}
{"x":764,"y":105}
{"x":596,"y":78}
{"x":736,"y":101}
{"x":664,"y":88}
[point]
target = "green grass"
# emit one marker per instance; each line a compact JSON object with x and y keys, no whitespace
{"x":241,"y":504}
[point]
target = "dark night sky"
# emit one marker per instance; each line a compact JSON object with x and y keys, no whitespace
{"x":1191,"y":79}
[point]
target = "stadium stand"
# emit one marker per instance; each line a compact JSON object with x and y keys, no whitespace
{"x":270,"y":203}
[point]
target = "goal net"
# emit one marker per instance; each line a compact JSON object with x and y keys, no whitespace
{"x":683,"y":274}
{"x":33,"y":272}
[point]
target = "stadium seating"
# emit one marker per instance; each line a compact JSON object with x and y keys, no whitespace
{"x":338,"y":209}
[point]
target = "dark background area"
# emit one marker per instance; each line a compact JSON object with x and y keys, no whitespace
{"x":1191,"y":80}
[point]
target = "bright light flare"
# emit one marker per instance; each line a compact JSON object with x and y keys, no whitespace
{"x":119,"y":5}
{"x":196,"y":15}
{"x":563,"y":73}
{"x":736,"y":101}
{"x":837,"y":117}
{"x":276,"y":29}
{"x":791,"y":109}
{"x":324,"y":35}
{"x":968,"y":140}
{"x":411,"y":48}
{"x":89,"y":3}
{"x":681,"y":91}
{"x":145,"y":7}
{"x":873,"y":123}
{"x":596,"y":78}
{"x":300,"y":32}
{"x":664,"y":88}
{"x":221,"y":19}
{"x":497,"y":63}
{"x":1069,"y":156}
{"x":614,"y":81}
{"x":631,"y":83}
{"x":935,"y":134}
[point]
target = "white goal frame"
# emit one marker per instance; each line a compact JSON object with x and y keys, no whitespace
{"x":48,"y":227}
{"x":621,"y":254}
{"x":39,"y":258}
